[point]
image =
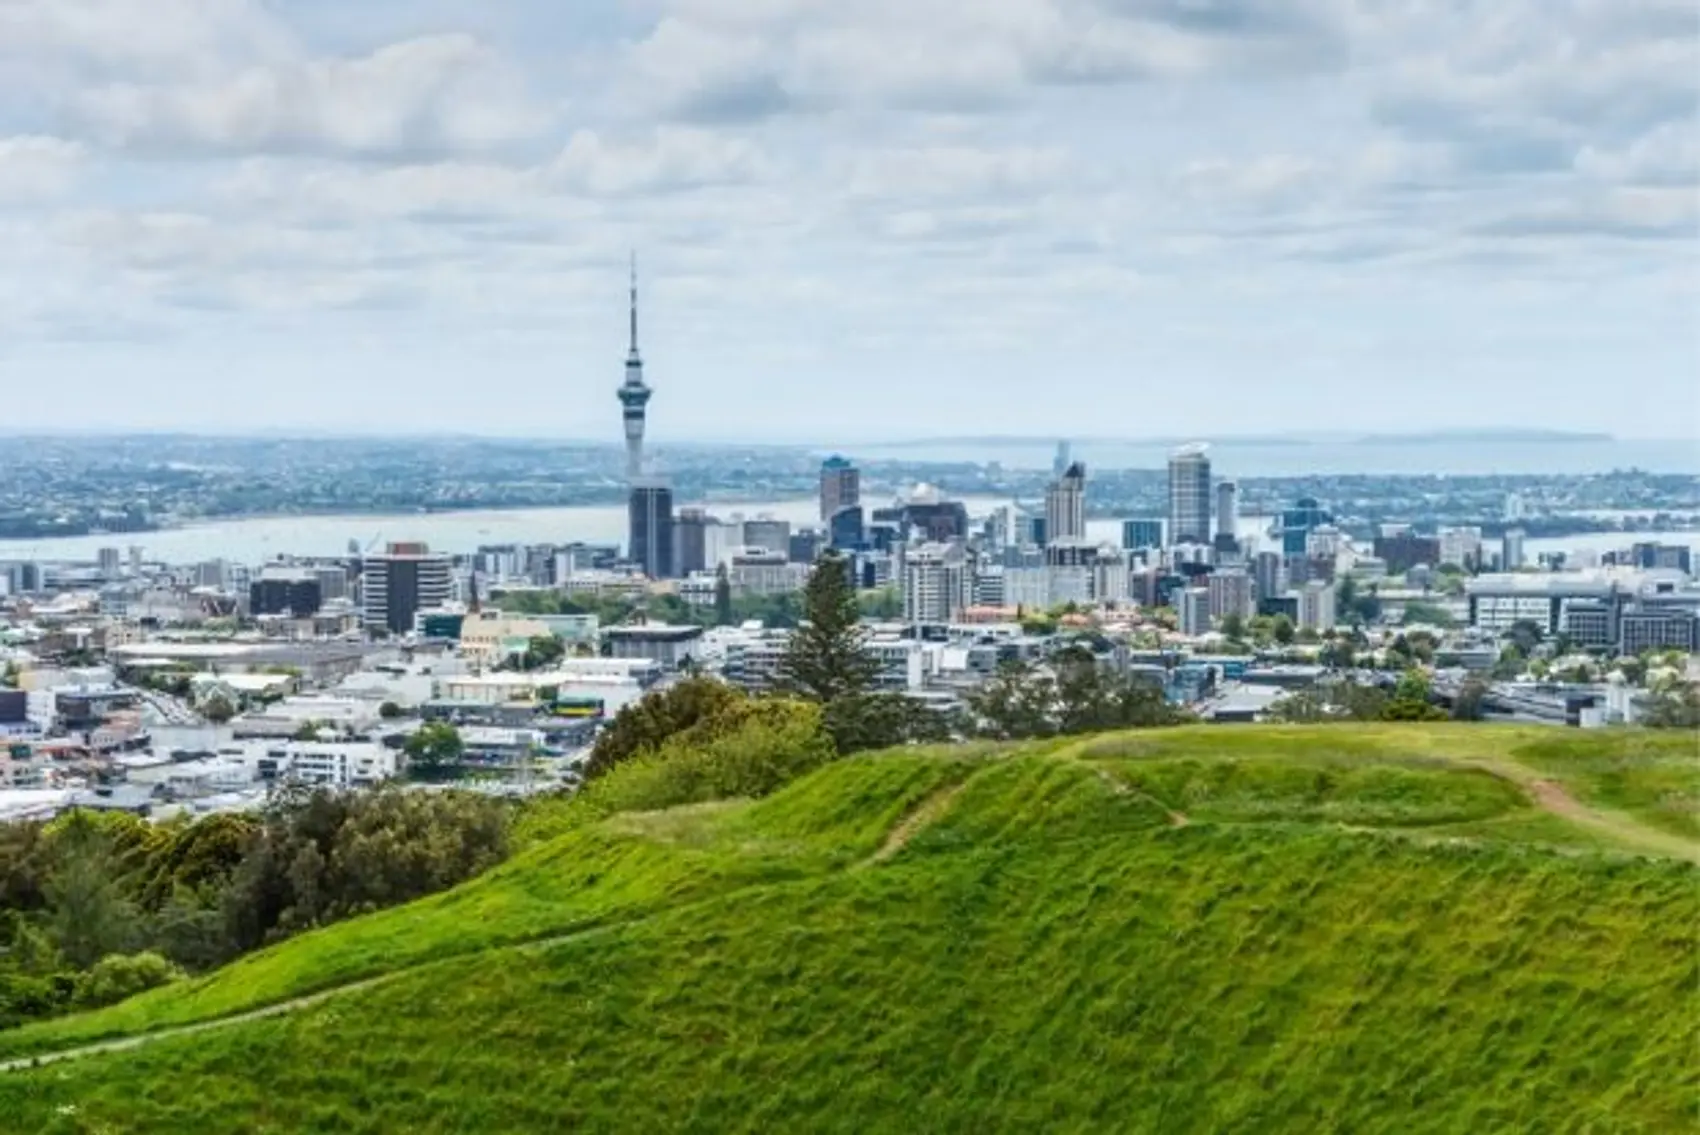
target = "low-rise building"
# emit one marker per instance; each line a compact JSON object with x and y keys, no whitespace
{"x":1316,"y":606}
{"x":671,"y":646}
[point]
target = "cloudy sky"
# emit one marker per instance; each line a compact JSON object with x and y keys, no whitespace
{"x":854,"y":218}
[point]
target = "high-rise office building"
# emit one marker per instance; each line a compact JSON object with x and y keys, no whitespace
{"x":401,"y":582}
{"x":284,"y":590}
{"x":690,"y":541}
{"x":1189,"y":496}
{"x":1402,"y":551}
{"x":332,"y":580}
{"x":1065,"y":506}
{"x":1461,"y":547}
{"x":1268,"y":575}
{"x":1062,"y":460}
{"x":1139,"y":535}
{"x":634,"y":394}
{"x":1227,"y":511}
{"x":805,"y":545}
{"x":925,"y":514}
{"x":1297,"y":523}
{"x":1192,"y":609}
{"x":109,"y":563}
{"x":1316,"y":606}
{"x":651,"y":516}
{"x":766,"y":532}
{"x":937,"y":583}
{"x":1511,"y":550}
{"x":840,"y":487}
{"x":847,"y":530}
{"x":1230,"y":594}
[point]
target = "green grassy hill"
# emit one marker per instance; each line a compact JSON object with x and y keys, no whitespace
{"x":1379,"y":929}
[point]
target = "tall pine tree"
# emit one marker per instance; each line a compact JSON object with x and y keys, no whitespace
{"x":722,"y":597}
{"x":824,"y":661}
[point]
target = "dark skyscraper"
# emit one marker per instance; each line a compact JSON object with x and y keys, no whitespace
{"x":840,"y":486}
{"x":690,"y":541}
{"x":399,"y":584}
{"x":652,"y":529}
{"x":848,"y":531}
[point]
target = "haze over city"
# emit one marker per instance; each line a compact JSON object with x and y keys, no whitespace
{"x":1173,"y":218}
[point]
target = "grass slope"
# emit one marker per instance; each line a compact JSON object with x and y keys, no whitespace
{"x":1186,"y":931}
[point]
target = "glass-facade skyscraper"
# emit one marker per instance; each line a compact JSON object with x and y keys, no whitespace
{"x":1189,"y":496}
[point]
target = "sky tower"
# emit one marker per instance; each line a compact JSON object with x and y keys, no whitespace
{"x":634,"y":393}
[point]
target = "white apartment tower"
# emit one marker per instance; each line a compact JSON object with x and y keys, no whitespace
{"x":937,"y":583}
{"x":1189,"y":496}
{"x":1065,"y":507}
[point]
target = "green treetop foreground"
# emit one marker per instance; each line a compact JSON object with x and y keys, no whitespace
{"x":1379,"y":928}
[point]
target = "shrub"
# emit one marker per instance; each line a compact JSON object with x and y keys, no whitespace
{"x":748,"y":752}
{"x":650,"y":721}
{"x":118,"y":976}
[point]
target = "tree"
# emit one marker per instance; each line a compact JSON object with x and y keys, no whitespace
{"x":1418,"y":612}
{"x":722,"y":597}
{"x":882,"y":720}
{"x":217,"y":709}
{"x":881,"y":603}
{"x":825,"y":659}
{"x":649,"y":722}
{"x":435,"y":746}
{"x":1410,"y":701}
{"x":1015,"y":703}
{"x":1301,"y":707}
{"x":1673,"y":706}
{"x":389,"y":711}
{"x":1338,"y":654}
{"x":1525,"y":635}
{"x":307,"y":731}
{"x":1467,"y":704}
{"x":1282,"y":630}
{"x":1510,"y":663}
{"x":1074,"y":695}
{"x":88,"y":915}
{"x":542,"y":651}
{"x":1233,"y":627}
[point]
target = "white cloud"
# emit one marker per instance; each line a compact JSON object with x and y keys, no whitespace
{"x":721,"y":60}
{"x":445,"y":93}
{"x":669,"y":160}
{"x":172,"y":39}
{"x":953,"y":171}
{"x":876,"y":185}
{"x":1262,"y":180}
{"x":37,"y":167}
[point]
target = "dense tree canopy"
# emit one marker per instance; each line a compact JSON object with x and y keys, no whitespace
{"x":648,"y":722}
{"x":94,"y":907}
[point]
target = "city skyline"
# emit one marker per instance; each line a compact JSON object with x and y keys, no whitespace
{"x":1413,"y":219}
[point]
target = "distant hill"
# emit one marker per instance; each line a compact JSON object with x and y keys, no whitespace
{"x":1429,"y":437}
{"x":1211,"y":929}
